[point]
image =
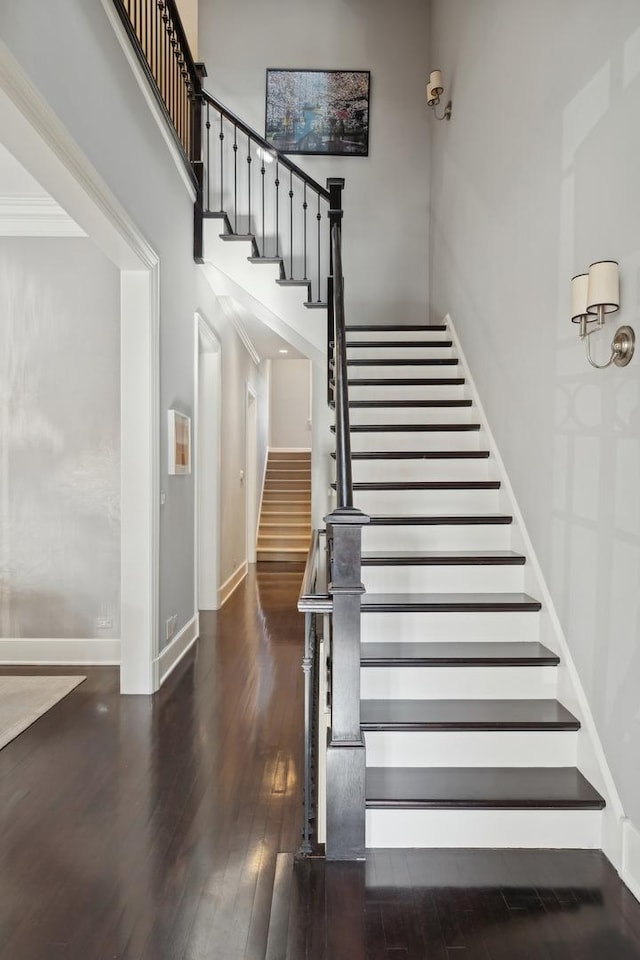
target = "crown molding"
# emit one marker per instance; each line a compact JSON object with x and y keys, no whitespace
{"x":36,"y":217}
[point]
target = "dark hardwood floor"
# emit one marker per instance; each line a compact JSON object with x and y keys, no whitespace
{"x":147,"y":828}
{"x":144,"y":828}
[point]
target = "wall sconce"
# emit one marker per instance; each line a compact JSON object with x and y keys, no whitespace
{"x":434,"y":92}
{"x":593,"y":296}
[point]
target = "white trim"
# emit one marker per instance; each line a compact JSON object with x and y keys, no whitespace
{"x":591,"y":757}
{"x":36,"y":217}
{"x":206,"y":341}
{"x":143,"y":82}
{"x":32,"y":132}
{"x":140,"y":472}
{"x":232,"y":582}
{"x":251,"y":509}
{"x":233,"y":316}
{"x":630,"y":872}
{"x":59,"y":652}
{"x":262,"y":485}
{"x":172,"y":654}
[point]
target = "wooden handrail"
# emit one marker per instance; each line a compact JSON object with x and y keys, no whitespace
{"x":260,"y":141}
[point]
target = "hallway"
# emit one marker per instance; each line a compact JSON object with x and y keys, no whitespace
{"x":147,"y":829}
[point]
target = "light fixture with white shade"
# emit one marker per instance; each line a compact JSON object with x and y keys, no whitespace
{"x":594,"y":295}
{"x":435,"y":90}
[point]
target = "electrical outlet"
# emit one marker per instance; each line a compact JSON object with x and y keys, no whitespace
{"x":104,"y":623}
{"x":170,"y":626}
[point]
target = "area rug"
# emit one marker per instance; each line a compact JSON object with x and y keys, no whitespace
{"x":24,"y":699}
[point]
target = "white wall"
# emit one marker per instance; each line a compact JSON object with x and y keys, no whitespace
{"x":59,"y":440}
{"x":291,"y":403}
{"x":386,"y":194}
{"x":535,"y":177}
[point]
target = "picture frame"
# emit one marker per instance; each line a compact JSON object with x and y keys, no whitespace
{"x":179,"y":432}
{"x":318,"y":112}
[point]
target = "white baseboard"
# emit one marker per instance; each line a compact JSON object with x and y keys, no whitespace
{"x":232,"y":583}
{"x":630,"y":872}
{"x":59,"y":652}
{"x":172,"y":654}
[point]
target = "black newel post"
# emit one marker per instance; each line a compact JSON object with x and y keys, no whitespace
{"x":345,"y":748}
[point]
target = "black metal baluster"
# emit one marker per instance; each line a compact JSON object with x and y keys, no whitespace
{"x":291,"y":223}
{"x":319,"y":219}
{"x":277,"y":183}
{"x":208,"y":154}
{"x":221,"y":135}
{"x":262,"y":173}
{"x":249,"y":161}
{"x":304,"y":207}
{"x":235,"y":178}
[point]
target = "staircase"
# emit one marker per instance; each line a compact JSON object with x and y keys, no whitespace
{"x":466,"y":743}
{"x":284,"y":531}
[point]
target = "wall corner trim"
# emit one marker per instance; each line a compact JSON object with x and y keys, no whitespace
{"x":630,"y":872}
{"x":51,"y":652}
{"x":173,"y":653}
{"x":232,"y":582}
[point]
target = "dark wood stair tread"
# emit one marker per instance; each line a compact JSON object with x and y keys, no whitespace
{"x":419,"y":455}
{"x":437,"y":558}
{"x":505,"y":788}
{"x":368,"y":344}
{"x":451,"y":519}
{"x":409,"y":382}
{"x":403,"y":362}
{"x":401,"y":485}
{"x":461,"y":654}
{"x":411,"y":427}
{"x":386,"y":327}
{"x":449,"y":603}
{"x":406,"y":404}
{"x":466,"y":715}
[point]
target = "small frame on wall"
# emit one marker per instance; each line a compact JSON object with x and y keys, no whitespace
{"x":318,"y":112}
{"x":179,"y":443}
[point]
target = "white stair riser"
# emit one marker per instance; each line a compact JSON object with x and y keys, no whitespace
{"x":410,"y":352}
{"x":386,"y":335}
{"x":498,"y":829}
{"x":414,"y":371}
{"x":443,"y":391}
{"x":449,"y":578}
{"x":427,"y":501}
{"x":436,"y":537}
{"x":477,"y":748}
{"x":413,"y":627}
{"x":397,"y":471}
{"x":416,"y":440}
{"x":412,"y":415}
{"x":458,"y":683}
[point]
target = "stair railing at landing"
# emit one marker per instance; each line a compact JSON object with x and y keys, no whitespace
{"x":259,"y":194}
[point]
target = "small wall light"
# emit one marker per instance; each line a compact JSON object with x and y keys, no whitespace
{"x":593,"y":296}
{"x":434,"y":92}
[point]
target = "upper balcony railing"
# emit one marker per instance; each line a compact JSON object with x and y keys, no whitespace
{"x":157,"y":34}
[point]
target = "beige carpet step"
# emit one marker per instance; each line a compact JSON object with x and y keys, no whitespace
{"x":283,"y":542}
{"x":290,"y":496}
{"x":281,"y":556}
{"x":297,"y":455}
{"x":282,"y":484}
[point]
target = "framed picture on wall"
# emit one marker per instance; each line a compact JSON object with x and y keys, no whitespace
{"x":179,"y":443}
{"x":318,"y":112}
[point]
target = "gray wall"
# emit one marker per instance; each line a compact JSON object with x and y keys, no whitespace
{"x":290,"y":403}
{"x":386,"y":194}
{"x":59,"y":439}
{"x":86,"y":79}
{"x":535,"y":177}
{"x":238,"y":370}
